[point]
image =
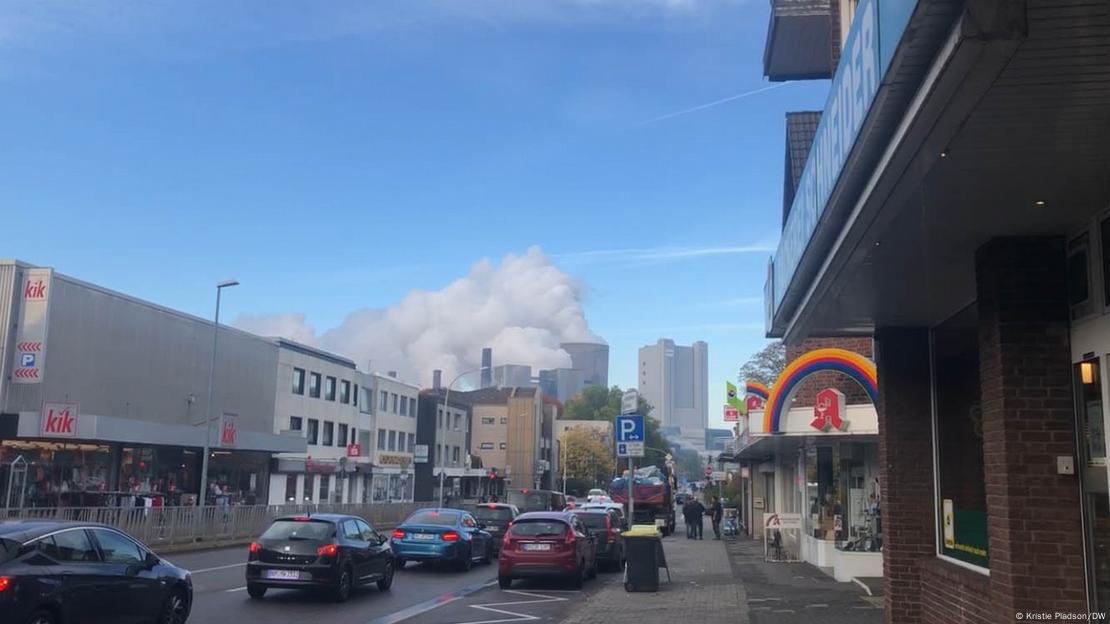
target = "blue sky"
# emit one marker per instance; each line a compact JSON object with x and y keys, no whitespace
{"x":336,"y":156}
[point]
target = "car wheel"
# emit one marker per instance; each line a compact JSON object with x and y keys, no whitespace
{"x":386,"y":581}
{"x":592,"y":572}
{"x":579,"y":578}
{"x":505,"y":582}
{"x":42,"y":617}
{"x":174,"y":610}
{"x":256,"y":591}
{"x":342,"y":590}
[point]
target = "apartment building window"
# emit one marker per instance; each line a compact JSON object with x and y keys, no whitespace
{"x":314,"y":385}
{"x":404,"y":406}
{"x":329,"y":389}
{"x":298,"y":381}
{"x":439,"y":455}
{"x":384,"y":401}
{"x":354,"y":436}
{"x":412,"y":442}
{"x":440,"y":420}
{"x":344,"y":392}
{"x":488,"y":420}
{"x":486,"y":446}
{"x":295,"y":423}
{"x":394,"y":402}
{"x":329,"y":433}
{"x":503,"y":446}
{"x":341,"y":439}
{"x":412,"y":407}
{"x":504,"y":420}
{"x":313,"y":431}
{"x":458,"y":422}
{"x":364,"y":404}
{"x":381,"y":439}
{"x":455,"y":455}
{"x":325,"y":482}
{"x":392,"y":441}
{"x":291,"y":488}
{"x":354,"y":397}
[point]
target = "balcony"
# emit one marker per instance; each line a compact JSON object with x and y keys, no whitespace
{"x":799,"y":45}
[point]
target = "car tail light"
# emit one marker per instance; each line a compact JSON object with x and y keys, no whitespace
{"x":327,"y":550}
{"x":569,"y":539}
{"x":5,"y":583}
{"x":450,"y":536}
{"x":253,"y":550}
{"x":398,"y":534}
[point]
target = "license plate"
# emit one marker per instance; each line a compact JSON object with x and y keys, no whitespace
{"x":283,"y":575}
{"x":493,"y":529}
{"x":423,"y":536}
{"x":537,"y":546}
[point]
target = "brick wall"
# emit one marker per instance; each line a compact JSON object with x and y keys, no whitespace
{"x":952,"y":595}
{"x":905,"y":468}
{"x":806,"y":394}
{"x":1034,"y":525}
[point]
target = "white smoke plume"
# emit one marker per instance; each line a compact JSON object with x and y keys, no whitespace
{"x":522,"y":308}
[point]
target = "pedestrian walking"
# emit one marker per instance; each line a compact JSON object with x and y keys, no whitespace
{"x":715,"y":514}
{"x":688,"y":517}
{"x":697,"y":511}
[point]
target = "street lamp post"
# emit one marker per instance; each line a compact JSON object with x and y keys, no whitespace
{"x":446,"y":402}
{"x":203,"y":486}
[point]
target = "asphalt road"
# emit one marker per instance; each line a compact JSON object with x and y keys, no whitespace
{"x":421,"y":594}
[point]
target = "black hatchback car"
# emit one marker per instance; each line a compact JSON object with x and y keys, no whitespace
{"x":497,"y":518}
{"x":329,"y":552}
{"x":76,"y":573}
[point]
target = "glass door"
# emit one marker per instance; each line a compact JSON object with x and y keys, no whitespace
{"x":1092,"y":443}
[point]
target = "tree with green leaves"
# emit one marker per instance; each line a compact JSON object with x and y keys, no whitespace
{"x":597,"y":403}
{"x":765,"y":365}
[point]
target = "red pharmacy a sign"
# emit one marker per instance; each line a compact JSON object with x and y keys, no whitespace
{"x":830,"y":410}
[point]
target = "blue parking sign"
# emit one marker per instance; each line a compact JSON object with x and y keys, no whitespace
{"x":27,"y":360}
{"x":630,"y":428}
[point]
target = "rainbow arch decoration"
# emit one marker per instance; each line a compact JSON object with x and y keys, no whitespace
{"x":755,"y":388}
{"x":850,"y":363}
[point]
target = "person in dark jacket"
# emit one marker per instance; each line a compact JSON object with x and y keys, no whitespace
{"x":687,"y":518}
{"x":697,"y":510}
{"x":715,"y":514}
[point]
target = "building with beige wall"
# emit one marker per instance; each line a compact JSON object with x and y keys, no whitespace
{"x":509,"y":436}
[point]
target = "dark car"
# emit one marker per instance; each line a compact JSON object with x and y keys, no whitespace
{"x":547,"y":544}
{"x":70,"y":572}
{"x":497,"y":517}
{"x":527,"y":499}
{"x":329,"y":552}
{"x":442,"y":535}
{"x":605,"y":525}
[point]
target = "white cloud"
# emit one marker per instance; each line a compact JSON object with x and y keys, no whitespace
{"x":522,"y":308}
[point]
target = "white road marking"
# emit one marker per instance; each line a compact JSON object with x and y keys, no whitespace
{"x":223,"y":567}
{"x":514,"y":616}
{"x":236,"y":589}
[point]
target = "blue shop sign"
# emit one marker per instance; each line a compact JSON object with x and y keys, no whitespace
{"x":868,"y":50}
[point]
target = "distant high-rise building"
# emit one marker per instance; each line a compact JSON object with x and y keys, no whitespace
{"x":674,"y":380}
{"x":562,"y":383}
{"x":590,"y":358}
{"x":513,"y":375}
{"x":487,"y":367}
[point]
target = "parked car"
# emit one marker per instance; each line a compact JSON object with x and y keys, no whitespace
{"x":616,"y":508}
{"x":605,"y":525}
{"x":329,"y":552}
{"x":444,"y":535}
{"x":527,"y":499}
{"x":547,"y":544}
{"x":497,"y":517}
{"x":594,"y":492}
{"x":58,"y":572}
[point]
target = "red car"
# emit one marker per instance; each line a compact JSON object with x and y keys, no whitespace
{"x":544,"y":544}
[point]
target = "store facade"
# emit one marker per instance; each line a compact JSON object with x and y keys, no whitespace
{"x":103,"y":400}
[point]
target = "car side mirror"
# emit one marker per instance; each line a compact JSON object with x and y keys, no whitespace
{"x":151,"y":560}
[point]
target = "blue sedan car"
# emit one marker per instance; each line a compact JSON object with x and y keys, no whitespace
{"x":444,"y":535}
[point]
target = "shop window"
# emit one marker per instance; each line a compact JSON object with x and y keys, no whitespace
{"x":313,"y":431}
{"x":295,"y":423}
{"x":329,"y":433}
{"x":325,"y":486}
{"x":153,"y":471}
{"x":381,"y":439}
{"x":314,"y":385}
{"x":341,"y":439}
{"x":329,"y":389}
{"x":298,"y":381}
{"x":1088,"y":393}
{"x":345,"y":392}
{"x":238,"y":475}
{"x":291,"y":488}
{"x":958,"y":422}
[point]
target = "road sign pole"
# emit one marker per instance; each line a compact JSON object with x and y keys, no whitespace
{"x":631,"y":492}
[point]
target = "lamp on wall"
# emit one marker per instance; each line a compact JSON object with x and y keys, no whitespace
{"x":1087,"y":372}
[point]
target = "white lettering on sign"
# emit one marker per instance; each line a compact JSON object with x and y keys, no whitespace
{"x":58,"y":420}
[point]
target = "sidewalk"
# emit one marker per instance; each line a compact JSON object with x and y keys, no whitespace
{"x":727,"y":582}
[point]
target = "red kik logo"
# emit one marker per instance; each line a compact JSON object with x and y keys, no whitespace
{"x":59,"y":423}
{"x":34,"y":290}
{"x":227,"y":436}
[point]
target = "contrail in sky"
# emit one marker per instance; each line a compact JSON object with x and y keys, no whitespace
{"x":714,"y":103}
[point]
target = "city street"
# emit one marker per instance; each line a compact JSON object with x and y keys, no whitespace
{"x":421,"y":594}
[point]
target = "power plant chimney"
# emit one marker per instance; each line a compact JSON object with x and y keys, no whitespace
{"x":487,"y":367}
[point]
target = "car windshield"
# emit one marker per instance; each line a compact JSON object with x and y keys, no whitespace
{"x":530,"y":501}
{"x":484,"y":513}
{"x":299,"y":530}
{"x":538,"y":528}
{"x":593,"y":520}
{"x":438,"y":518}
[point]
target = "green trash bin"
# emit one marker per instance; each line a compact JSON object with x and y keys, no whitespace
{"x":642,"y":558}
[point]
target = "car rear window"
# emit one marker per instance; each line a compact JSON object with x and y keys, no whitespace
{"x":538,"y":528}
{"x":439,"y":518}
{"x":593,"y":520}
{"x":497,"y":513}
{"x":299,"y":530}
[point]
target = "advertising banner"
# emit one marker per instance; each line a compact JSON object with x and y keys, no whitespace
{"x":30,"y":335}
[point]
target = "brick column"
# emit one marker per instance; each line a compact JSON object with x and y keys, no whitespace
{"x":906,"y":467}
{"x":1034,"y":525}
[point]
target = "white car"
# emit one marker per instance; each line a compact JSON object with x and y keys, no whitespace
{"x":605,"y":506}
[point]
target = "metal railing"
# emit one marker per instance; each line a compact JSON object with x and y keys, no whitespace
{"x":162,"y":527}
